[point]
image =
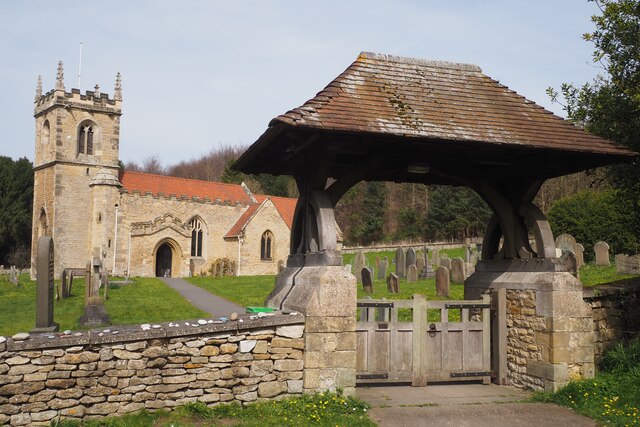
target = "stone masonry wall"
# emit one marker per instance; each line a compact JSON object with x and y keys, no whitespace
{"x":126,"y":369}
{"x":524,"y":329}
{"x":616,"y":315}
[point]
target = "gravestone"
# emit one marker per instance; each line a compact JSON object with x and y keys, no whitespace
{"x":192,"y":267}
{"x":602,"y":253}
{"x":95,"y":313}
{"x":435,"y":259}
{"x":44,"y":291}
{"x":467,"y":252}
{"x":579,"y":255}
{"x":347,"y":268}
{"x":420,"y":263}
{"x":442,"y":281}
{"x":393,"y":284}
{"x":382,"y":271}
{"x":626,"y":264}
{"x":412,"y":274}
{"x":400,"y":266}
{"x":367,"y":280}
{"x":13,"y":276}
{"x":64,"y":285}
{"x":457,"y":270}
{"x":377,"y":262}
{"x":567,"y":242}
{"x":445,"y":261}
{"x":358,"y":264}
{"x":410,"y":258}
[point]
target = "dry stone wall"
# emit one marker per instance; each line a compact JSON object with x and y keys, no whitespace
{"x":92,"y":374}
{"x":616,"y":315}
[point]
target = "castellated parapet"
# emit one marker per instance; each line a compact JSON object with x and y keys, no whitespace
{"x":61,"y":117}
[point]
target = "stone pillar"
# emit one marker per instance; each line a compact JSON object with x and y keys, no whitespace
{"x":550,"y":337}
{"x":327,"y":296}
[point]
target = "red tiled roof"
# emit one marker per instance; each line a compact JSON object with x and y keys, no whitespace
{"x":236,"y":230}
{"x":169,"y":185}
{"x":285,"y":206}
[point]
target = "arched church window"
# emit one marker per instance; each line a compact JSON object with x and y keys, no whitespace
{"x":266,"y":246}
{"x":196,"y":236}
{"x":86,"y":137}
{"x":46,"y":132}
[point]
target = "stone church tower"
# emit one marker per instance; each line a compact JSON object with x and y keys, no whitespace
{"x":76,"y":187}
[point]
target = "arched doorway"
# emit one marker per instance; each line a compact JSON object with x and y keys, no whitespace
{"x":164,"y":257}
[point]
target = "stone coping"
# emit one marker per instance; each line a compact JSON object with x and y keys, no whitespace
{"x":126,"y":333}
{"x":615,"y":288}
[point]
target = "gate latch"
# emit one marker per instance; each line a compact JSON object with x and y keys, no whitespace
{"x":432,"y":330}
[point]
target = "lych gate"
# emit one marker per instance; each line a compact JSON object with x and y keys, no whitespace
{"x":405,"y":120}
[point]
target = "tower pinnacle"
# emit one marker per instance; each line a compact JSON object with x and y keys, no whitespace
{"x":60,"y":77}
{"x":117,"y":93}
{"x":39,"y":88}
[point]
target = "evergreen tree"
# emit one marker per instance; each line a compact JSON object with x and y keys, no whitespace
{"x":16,"y":205}
{"x":372,"y":226}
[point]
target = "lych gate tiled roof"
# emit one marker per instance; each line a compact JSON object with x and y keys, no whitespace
{"x":437,"y":100}
{"x":169,"y":185}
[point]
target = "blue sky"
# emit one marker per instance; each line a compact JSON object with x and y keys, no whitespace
{"x":200,"y":74}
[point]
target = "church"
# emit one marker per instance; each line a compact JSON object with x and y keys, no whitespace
{"x":139,"y":224}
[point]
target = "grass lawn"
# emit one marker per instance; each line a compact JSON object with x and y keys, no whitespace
{"x":246,"y":291}
{"x":591,"y":274}
{"x":145,"y":300}
{"x":613,"y":397}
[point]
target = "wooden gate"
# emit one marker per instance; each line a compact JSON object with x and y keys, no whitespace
{"x":438,"y":341}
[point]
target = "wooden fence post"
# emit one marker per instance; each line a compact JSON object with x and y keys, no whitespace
{"x":419,"y":341}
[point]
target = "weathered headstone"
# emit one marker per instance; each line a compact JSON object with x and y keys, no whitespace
{"x":467,"y":252}
{"x":445,"y":261}
{"x":626,"y":264}
{"x":377,"y":262}
{"x":412,"y":274}
{"x":13,"y":276}
{"x":95,"y":313}
{"x":420,"y":263}
{"x":393,"y":284}
{"x":44,"y":291}
{"x":567,"y":242}
{"x":457,"y":270}
{"x":435,"y":259}
{"x":382,"y":271}
{"x":442,"y":281}
{"x":400,"y":266}
{"x":347,"y":268}
{"x":358,"y":264}
{"x":367,"y":281}
{"x":410,"y":258}
{"x":579,"y":255}
{"x":602,"y":253}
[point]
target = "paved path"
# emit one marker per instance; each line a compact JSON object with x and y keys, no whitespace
{"x":202,"y":299}
{"x":461,"y":405}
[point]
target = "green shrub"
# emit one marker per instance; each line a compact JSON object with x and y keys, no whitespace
{"x":591,"y":216}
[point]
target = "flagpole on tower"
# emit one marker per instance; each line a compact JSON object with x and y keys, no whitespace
{"x":80,"y":65}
